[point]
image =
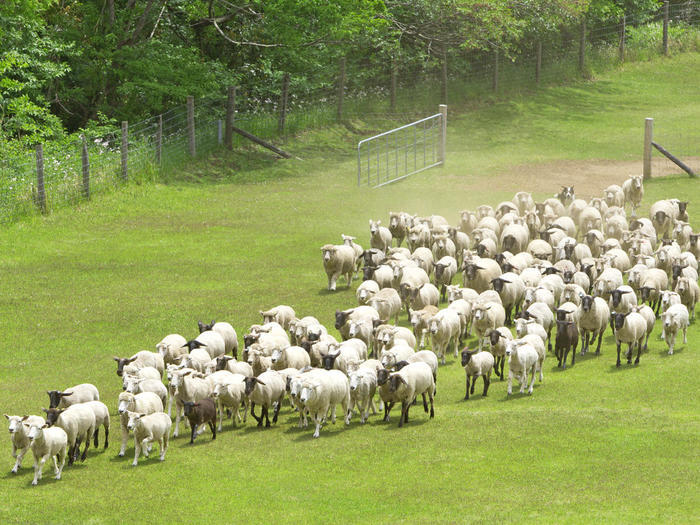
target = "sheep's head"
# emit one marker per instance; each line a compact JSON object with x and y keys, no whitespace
{"x":374,"y":226}
{"x":619,"y":319}
{"x":133,"y":420}
{"x":616,"y":296}
{"x":471,"y":269}
{"x":498,"y":283}
{"x":328,"y":360}
{"x":328,"y":252}
{"x":55,"y":397}
{"x":341,"y":317}
{"x":467,"y":355}
{"x":205,"y":327}
{"x":52,"y":415}
{"x":15,"y":423}
{"x":250,"y":384}
{"x":122,"y":362}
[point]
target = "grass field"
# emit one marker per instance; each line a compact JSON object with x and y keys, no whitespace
{"x":593,"y":443}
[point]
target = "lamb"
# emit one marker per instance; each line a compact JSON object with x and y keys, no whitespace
{"x":387,"y":303}
{"x":20,"y":440}
{"x":455,"y":292}
{"x":525,"y":327}
{"x":398,"y":226}
{"x":614,"y":195}
{"x":443,"y":246}
{"x":593,"y":318}
{"x":475,"y":365}
{"x":511,"y":290}
{"x":380,"y":236}
{"x":258,"y":361}
{"x":409,"y":382}
{"x":227,"y":333}
{"x":350,"y":241}
{"x":199,"y":414}
{"x":148,"y":428}
{"x":147,"y":372}
{"x":419,"y":321}
{"x":338,"y":260}
{"x":444,"y":329}
{"x":652,"y":284}
{"x":143,"y":403}
{"x":232,"y":396}
{"x":536,"y":342}
{"x":79,"y":423}
{"x":418,"y":235}
{"x":540,"y":249}
{"x":290,"y":357}
{"x":630,"y":328}
{"x":589,"y":219}
{"x":366,"y":291}
{"x":190,"y":386}
{"x":142,"y":358}
{"x":385,"y":336}
{"x":47,"y":443}
{"x":487,"y":316}
{"x":650,"y":317}
{"x":689,"y":293}
{"x":543,"y":315}
{"x":675,"y":319}
{"x":566,"y":339}
{"x":633,"y":190}
{"x":445,"y":270}
{"x":464,"y":309}
{"x":539,"y":294}
{"x":478,"y":274}
{"x":522,"y":359}
{"x":324,"y":392}
{"x":498,"y":338}
{"x":382,"y":274}
{"x":136,"y":386}
{"x":72,"y":396}
{"x":363,"y":385}
{"x":265,"y":390}
{"x":171,"y":347}
{"x":281,"y":314}
{"x":101,"y":419}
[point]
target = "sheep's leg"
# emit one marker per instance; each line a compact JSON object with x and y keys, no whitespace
{"x":38,"y":467}
{"x":639,"y":351}
{"x":87,"y":446}
{"x":333,"y":414}
{"x":137,"y":451}
{"x":573,"y":352}
{"x":193,"y":434}
{"x":387,"y":409}
{"x":106,"y":435}
{"x":332,"y":281}
{"x":646,"y":341}
{"x":71,"y":452}
{"x":510,"y":382}
{"x":685,"y":335}
{"x":125,"y":438}
{"x":212,"y":426}
{"x":97,"y":433}
{"x":629,"y":353}
{"x":277,"y":409}
{"x":61,"y":456}
{"x":404,"y":410}
{"x":19,"y":455}
{"x":584,"y":343}
{"x":503,"y":362}
{"x":618,"y":354}
{"x":252,"y":413}
{"x":600,"y":340}
{"x":266,"y":414}
{"x":319,"y":423}
{"x":170,"y":406}
{"x":549,"y":339}
{"x":466,"y":395}
{"x":473,"y":385}
{"x":178,"y":414}
{"x":532,"y":381}
{"x":487,"y":382}
{"x":76,"y":448}
{"x":671,"y":343}
{"x":163,"y":446}
{"x":564,"y":352}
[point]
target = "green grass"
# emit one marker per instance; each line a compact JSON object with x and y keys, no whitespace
{"x":242,"y":233}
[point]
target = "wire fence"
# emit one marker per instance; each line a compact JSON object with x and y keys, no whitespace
{"x":398,"y":93}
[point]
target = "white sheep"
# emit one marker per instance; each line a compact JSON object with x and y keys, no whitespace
{"x":651,"y":285}
{"x":522,"y":359}
{"x":143,"y":403}
{"x":363,"y":385}
{"x":72,"y":396}
{"x":136,"y":386}
{"x":622,"y":299}
{"x":211,"y":341}
{"x":324,"y":392}
{"x":387,"y":303}
{"x":630,"y":328}
{"x":361,"y":329}
{"x":366,"y":290}
{"x":662,"y":214}
{"x":608,"y":280}
{"x":266,"y":390}
{"x":101,"y":419}
{"x":443,"y":246}
{"x":18,"y":426}
{"x":467,"y":221}
{"x":536,"y":341}
{"x":689,"y":293}
{"x":47,"y":443}
{"x":227,"y":333}
{"x":515,"y":238}
{"x":290,"y":357}
{"x":479,"y":273}
{"x":386,"y":335}
{"x":140,"y":359}
{"x":171,"y":347}
{"x":633,"y":190}
{"x":148,"y":428}
{"x":476,"y":365}
{"x":350,"y":241}
{"x":419,"y":235}
{"x":464,"y":309}
{"x":146,"y":372}
{"x":231,"y":395}
{"x":486,"y":317}
{"x":524,"y":327}
{"x":317,"y":349}
{"x":339,"y":356}
{"x":422,"y":296}
{"x":358,"y":313}
{"x":409,"y":382}
{"x":444,"y":328}
{"x":338,"y":260}
{"x":511,"y":290}
{"x":79,"y":423}
{"x":281,"y":314}
{"x":190,"y":386}
{"x":419,"y":320}
{"x":544,"y":316}
{"x":258,"y":361}
{"x":400,"y":351}
{"x":523,"y":200}
{"x":593,"y":318}
{"x":674,"y":320}
{"x":380,"y":236}
{"x":398,"y":226}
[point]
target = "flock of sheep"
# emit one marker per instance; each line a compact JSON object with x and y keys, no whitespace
{"x":559,"y":263}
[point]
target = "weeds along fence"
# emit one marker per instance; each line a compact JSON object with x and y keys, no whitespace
{"x":70,"y":172}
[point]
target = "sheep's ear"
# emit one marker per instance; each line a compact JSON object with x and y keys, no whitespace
{"x":131,"y":360}
{"x":65,"y":394}
{"x":187,"y":373}
{"x":115,"y":358}
{"x":45,"y":410}
{"x":259,"y":382}
{"x":8,"y":417}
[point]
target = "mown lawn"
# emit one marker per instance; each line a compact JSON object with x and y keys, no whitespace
{"x":593,"y":443}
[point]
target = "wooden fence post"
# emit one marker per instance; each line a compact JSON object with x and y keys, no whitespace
{"x":125,"y":150}
{"x":582,"y":47}
{"x":86,"y":169}
{"x":494,"y":85}
{"x":623,"y":30}
{"x":159,"y":140}
{"x":538,"y":62}
{"x":443,"y":133}
{"x":190,"y":126}
{"x":392,"y":88}
{"x":40,"y":190}
{"x":341,"y":88}
{"x":283,"y":104}
{"x":665,"y":37}
{"x":444,"y":77}
{"x":648,"y":137}
{"x":230,"y":111}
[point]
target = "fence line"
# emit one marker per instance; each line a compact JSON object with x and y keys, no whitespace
{"x":155,"y":146}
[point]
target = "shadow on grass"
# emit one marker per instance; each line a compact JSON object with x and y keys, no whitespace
{"x":664,"y":353}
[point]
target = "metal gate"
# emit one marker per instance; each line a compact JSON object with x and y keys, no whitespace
{"x":401,"y":152}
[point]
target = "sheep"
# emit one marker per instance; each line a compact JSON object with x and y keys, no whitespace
{"x":675,"y":319}
{"x":511,"y":290}
{"x":419,"y":321}
{"x":662,"y":214}
{"x":387,"y":303}
{"x":272,"y":330}
{"x":366,"y":290}
{"x":478,"y":274}
{"x":200,"y":413}
{"x":633,"y":191}
{"x":523,"y":200}
{"x":20,"y":440}
{"x":617,"y":258}
{"x":539,"y":294}
{"x":198,"y":359}
{"x":665,"y":256}
{"x":148,"y":428}
{"x":418,"y":235}
{"x":622,"y":299}
{"x":554,"y":283}
{"x":339,"y":356}
{"x":467,"y":221}
{"x":694,"y":244}
{"x":226,"y":362}
{"x":543,"y":315}
{"x":72,"y":396}
{"x":307,"y":328}
{"x":317,"y":349}
{"x":424,"y":356}
{"x":668,"y":298}
{"x":258,"y":361}
{"x":486,"y":317}
{"x":79,"y":423}
{"x":350,"y":241}
{"x":566,"y":339}
{"x":650,"y":317}
{"x":522,"y":359}
{"x":573,"y":293}
{"x":101,"y":419}
{"x":421,"y":297}
{"x":589,"y":219}
{"x":227,"y":333}
{"x":147,"y":372}
{"x":444,"y":329}
{"x":135,"y":385}
{"x":475,"y":365}
{"x":485,"y":240}
{"x":400,"y":351}
{"x":265,"y":390}
{"x":464,"y":309}
{"x":652,"y":284}
{"x":525,"y":327}
{"x":190,"y":386}
{"x":455,"y":292}
{"x":689,"y":293}
{"x":290,"y":357}
{"x":608,"y":280}
{"x":232,"y":396}
{"x":363,"y":385}
{"x":360,"y":312}
{"x":630,"y":328}
{"x":531,"y":277}
{"x":338,"y":260}
{"x":498,"y":338}
{"x":142,"y":358}
{"x":614,"y":195}
{"x":410,"y":278}
{"x":171,"y":347}
{"x":213,"y":342}
{"x":593,"y":318}
{"x":515,"y":238}
{"x":398,"y":226}
{"x":143,"y":403}
{"x":445,"y":270}
{"x":47,"y":443}
{"x":380,"y":236}
{"x":443,"y":246}
{"x":406,"y":384}
{"x":461,"y":241}
{"x":535,"y":340}
{"x":324,"y":392}
{"x":281,"y":314}
{"x":385,"y":336}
